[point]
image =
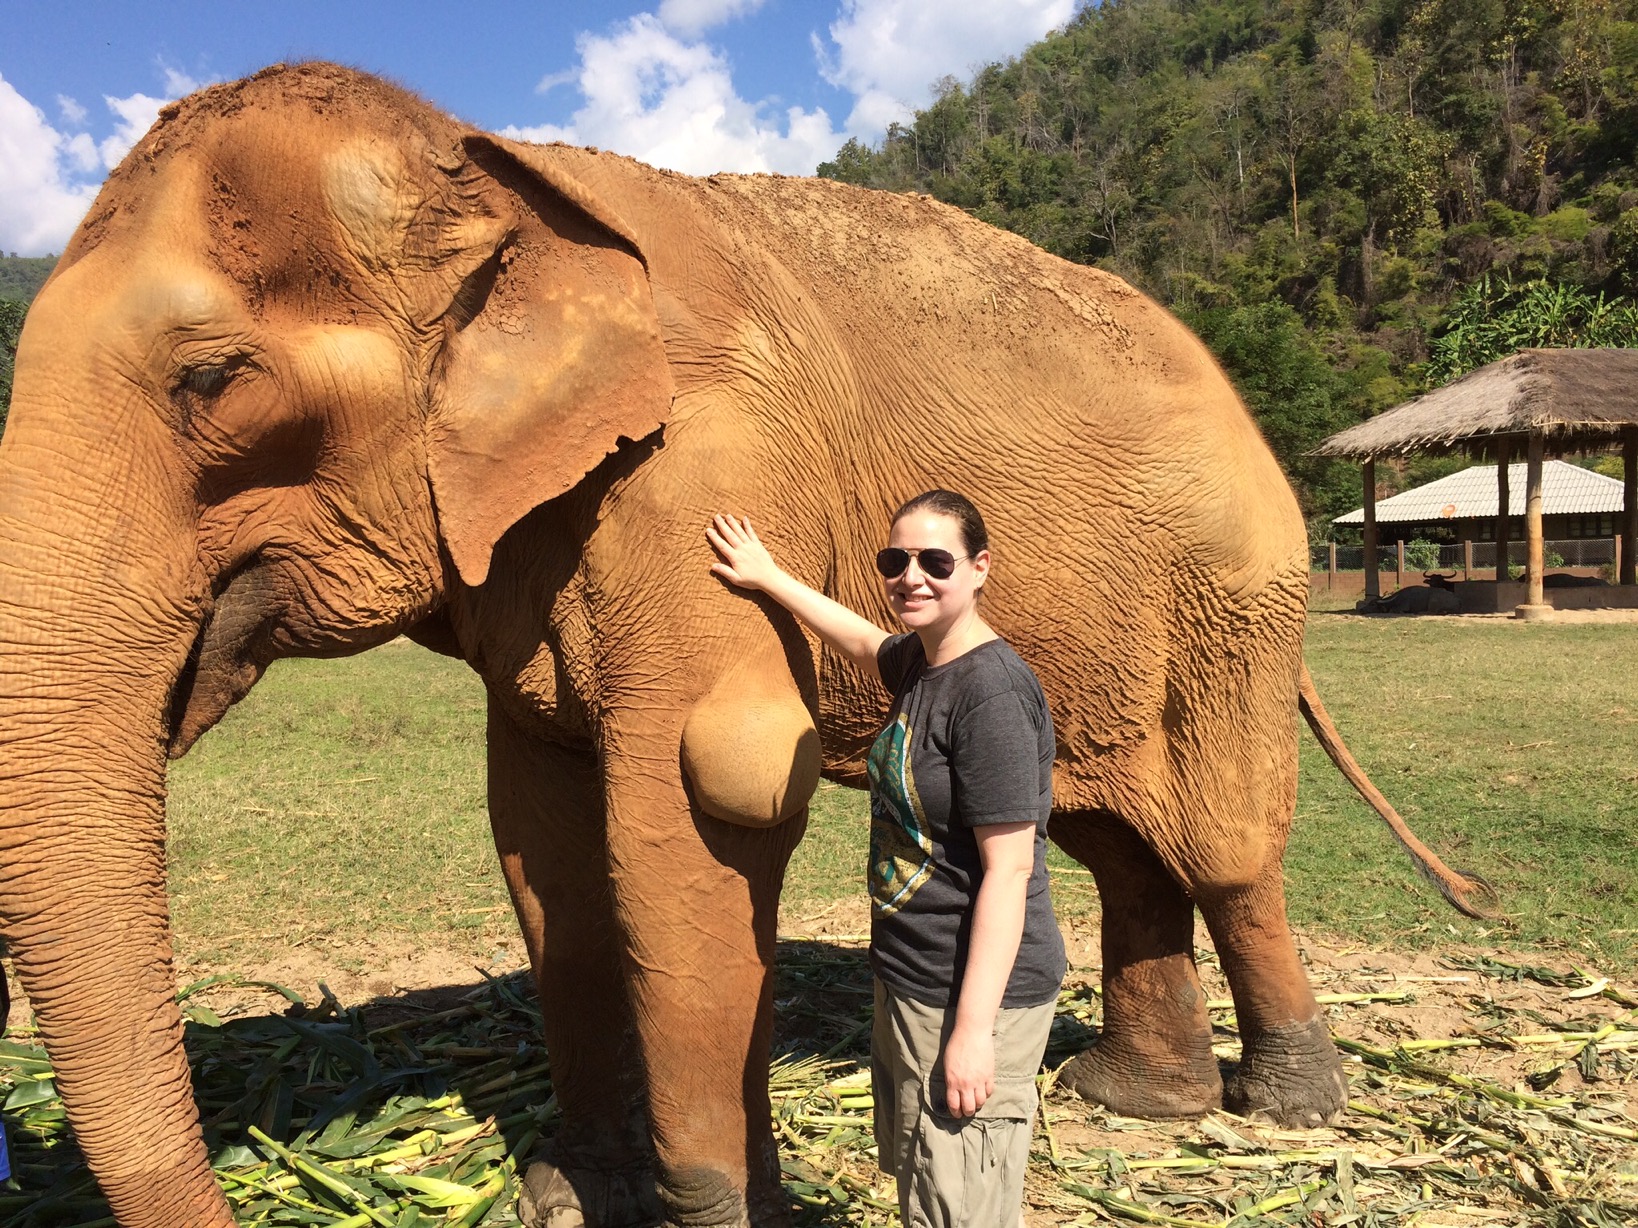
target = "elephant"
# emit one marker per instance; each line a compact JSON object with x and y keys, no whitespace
{"x":323,"y":366}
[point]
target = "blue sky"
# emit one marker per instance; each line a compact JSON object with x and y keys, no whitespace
{"x":696,"y":85}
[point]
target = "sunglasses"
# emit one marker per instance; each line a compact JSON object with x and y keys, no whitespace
{"x":935,"y":564}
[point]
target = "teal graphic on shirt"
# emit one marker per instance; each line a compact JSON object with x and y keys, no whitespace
{"x":901,"y":853}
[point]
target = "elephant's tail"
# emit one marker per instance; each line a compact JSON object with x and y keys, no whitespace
{"x":1456,"y":886}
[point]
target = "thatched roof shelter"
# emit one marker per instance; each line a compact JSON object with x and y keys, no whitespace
{"x":1544,"y":402}
{"x":1575,"y":400}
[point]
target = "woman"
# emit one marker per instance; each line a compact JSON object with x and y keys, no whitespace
{"x":967,"y":956}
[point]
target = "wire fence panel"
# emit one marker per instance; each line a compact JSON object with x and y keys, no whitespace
{"x":1448,"y":556}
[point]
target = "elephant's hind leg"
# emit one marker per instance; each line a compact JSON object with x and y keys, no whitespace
{"x":1289,"y":1071}
{"x":546,"y":809}
{"x":1153,"y":1058}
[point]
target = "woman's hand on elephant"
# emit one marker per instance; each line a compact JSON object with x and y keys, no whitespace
{"x":969,"y":1069}
{"x":744,"y":560}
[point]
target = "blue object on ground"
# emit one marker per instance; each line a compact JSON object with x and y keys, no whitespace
{"x":5,"y":1155}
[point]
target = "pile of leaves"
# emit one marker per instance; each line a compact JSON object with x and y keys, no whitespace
{"x":401,"y":1115}
{"x":314,"y":1117}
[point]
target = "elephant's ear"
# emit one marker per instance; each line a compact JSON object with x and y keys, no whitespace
{"x":551,"y":346}
{"x":560,"y":361}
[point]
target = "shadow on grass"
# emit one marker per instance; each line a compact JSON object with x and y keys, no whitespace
{"x":456,"y":1075}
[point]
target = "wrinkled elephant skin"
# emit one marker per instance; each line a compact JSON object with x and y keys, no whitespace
{"x":323,"y":366}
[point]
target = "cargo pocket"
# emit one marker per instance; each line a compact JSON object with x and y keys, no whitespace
{"x":970,"y":1170}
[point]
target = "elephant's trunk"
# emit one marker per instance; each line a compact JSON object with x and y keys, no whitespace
{"x":100,"y":603}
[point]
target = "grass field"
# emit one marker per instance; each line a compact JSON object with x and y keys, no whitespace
{"x":340,"y":808}
{"x":344,"y":799}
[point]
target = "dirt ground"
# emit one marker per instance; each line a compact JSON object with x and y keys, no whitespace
{"x":1487,"y":1086}
{"x":1444,"y":999}
{"x":1554,"y":616}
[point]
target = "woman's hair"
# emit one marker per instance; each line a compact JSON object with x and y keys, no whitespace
{"x":974,"y":536}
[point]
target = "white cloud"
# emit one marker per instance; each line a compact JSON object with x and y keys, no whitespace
{"x":672,"y":103}
{"x":552,"y":80}
{"x":39,"y":204}
{"x":136,"y":114}
{"x":48,"y":178}
{"x":888,"y":53}
{"x":694,"y":17}
{"x":179,"y":84}
{"x":82,"y":153}
{"x":653,"y":88}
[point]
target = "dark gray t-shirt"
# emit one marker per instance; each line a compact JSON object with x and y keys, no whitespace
{"x":966,"y":743}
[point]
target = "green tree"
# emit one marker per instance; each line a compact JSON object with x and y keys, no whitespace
{"x":22,"y":276}
{"x":1293,"y":391}
{"x":11,"y":328}
{"x":1494,"y":317}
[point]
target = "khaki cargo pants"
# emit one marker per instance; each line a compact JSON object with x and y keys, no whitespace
{"x":953,"y":1171}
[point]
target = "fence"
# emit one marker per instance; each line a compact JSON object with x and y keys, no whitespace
{"x":1447,"y":556}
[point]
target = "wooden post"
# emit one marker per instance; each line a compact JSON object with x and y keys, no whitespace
{"x":1373,"y":580}
{"x":1503,"y":507}
{"x":1467,"y":558}
{"x":1619,"y":560}
{"x":1627,"y":555}
{"x":1399,"y":564}
{"x":1331,"y":572}
{"x":1533,"y":603}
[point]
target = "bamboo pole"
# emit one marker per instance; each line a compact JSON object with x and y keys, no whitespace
{"x":1373,"y":581}
{"x":1399,"y":564}
{"x":1504,"y":506}
{"x":1628,"y":555}
{"x":1533,"y":602}
{"x":1331,"y":573}
{"x":1467,"y":559}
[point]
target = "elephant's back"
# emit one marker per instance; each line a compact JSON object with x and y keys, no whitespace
{"x":1091,"y":390}
{"x":927,"y":306}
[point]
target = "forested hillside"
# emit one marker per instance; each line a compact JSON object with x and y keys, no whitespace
{"x":1319,"y":187}
{"x":20,"y":279}
{"x":22,"y":276}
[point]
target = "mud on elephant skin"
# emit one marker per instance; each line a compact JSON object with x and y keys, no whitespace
{"x":323,"y":365}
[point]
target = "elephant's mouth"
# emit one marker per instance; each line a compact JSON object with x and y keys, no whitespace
{"x":227,"y":657}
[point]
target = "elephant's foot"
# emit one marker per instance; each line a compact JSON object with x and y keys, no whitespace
{"x":1291,"y":1076}
{"x":703,"y":1198}
{"x":1135,"y":1085}
{"x":558,"y":1196}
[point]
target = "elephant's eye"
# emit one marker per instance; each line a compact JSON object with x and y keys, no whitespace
{"x":203,"y":382}
{"x":209,"y":379}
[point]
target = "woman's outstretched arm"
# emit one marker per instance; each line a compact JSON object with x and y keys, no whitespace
{"x":745,"y":562}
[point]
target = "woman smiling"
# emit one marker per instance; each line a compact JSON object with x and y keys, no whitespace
{"x":966,"y":953}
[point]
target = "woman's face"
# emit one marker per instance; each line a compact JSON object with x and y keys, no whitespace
{"x":920,"y":601}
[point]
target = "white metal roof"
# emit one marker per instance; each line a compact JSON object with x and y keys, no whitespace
{"x":1566,"y":489}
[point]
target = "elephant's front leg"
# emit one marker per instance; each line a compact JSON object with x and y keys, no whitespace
{"x":546,"y":808}
{"x":698,"y":897}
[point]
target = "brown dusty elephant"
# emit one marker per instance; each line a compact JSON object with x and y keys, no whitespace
{"x":323,"y":366}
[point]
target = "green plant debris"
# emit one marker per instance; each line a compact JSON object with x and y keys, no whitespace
{"x":336,"y":1116}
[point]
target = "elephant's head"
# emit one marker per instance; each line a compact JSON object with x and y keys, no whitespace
{"x":314,"y":342}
